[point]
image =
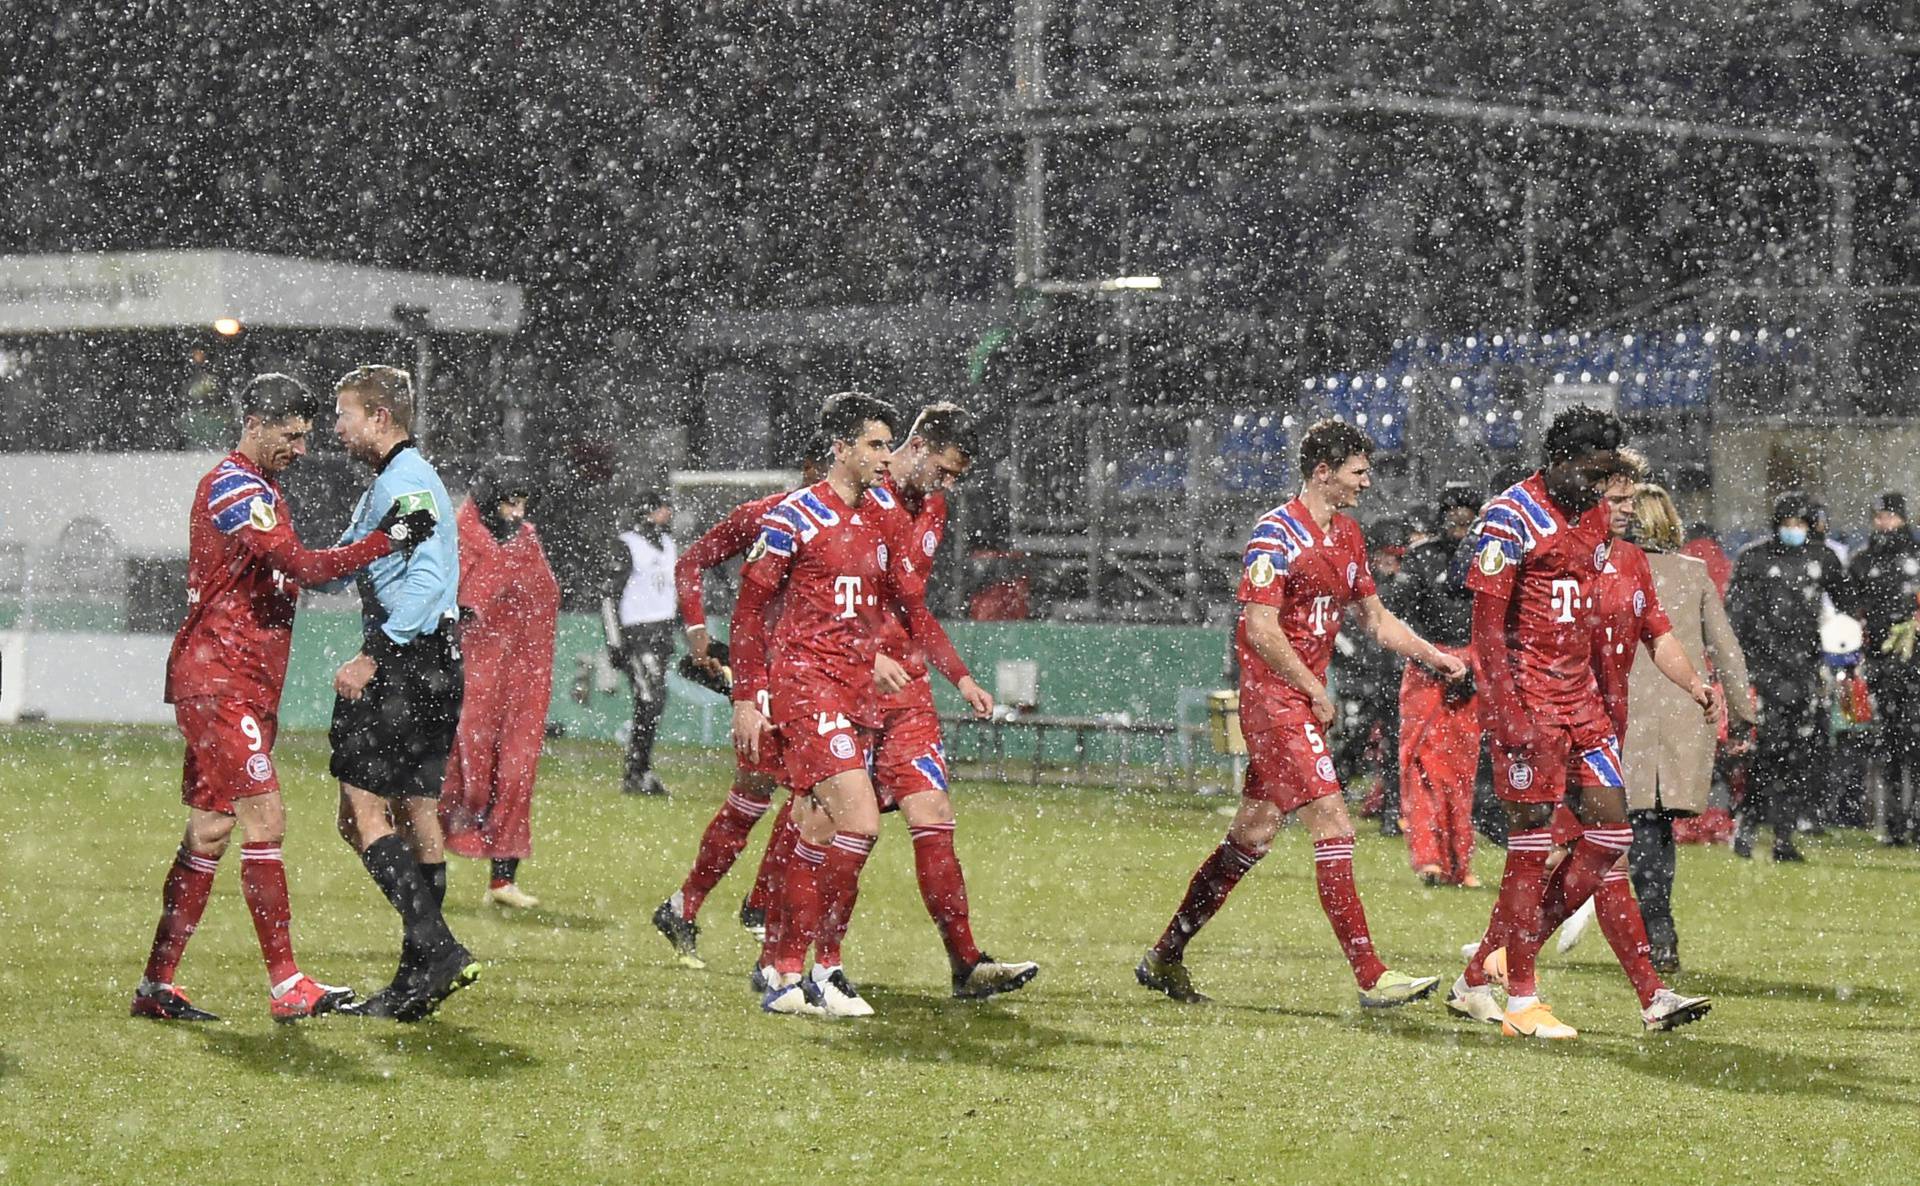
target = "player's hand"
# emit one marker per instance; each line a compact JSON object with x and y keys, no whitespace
{"x":1323,"y":710}
{"x":407,"y":531}
{"x":749,"y":726}
{"x":351,"y":681}
{"x":1449,"y":666}
{"x":888,"y":676}
{"x":1712,"y":705}
{"x":977,"y":697}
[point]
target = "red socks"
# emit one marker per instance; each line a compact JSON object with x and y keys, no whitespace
{"x":773,"y":862}
{"x":1598,"y":850}
{"x":1333,"y":874}
{"x":944,"y":889}
{"x":1626,"y":933}
{"x":1206,"y":893}
{"x":183,"y":899}
{"x":263,"y":879}
{"x":839,"y":889}
{"x":798,"y":909}
{"x":1517,"y":910}
{"x":720,"y":846}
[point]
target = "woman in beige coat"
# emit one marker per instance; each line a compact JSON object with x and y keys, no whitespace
{"x":1668,"y":754}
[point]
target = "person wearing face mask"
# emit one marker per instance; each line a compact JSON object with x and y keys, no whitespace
{"x":638,"y":613}
{"x":511,"y":603}
{"x":1884,"y":579}
{"x":1774,"y":604}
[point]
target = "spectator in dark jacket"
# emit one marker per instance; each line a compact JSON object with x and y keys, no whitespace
{"x":1883,"y":579}
{"x":1774,"y":603}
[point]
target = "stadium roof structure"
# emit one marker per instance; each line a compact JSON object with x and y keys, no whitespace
{"x":181,"y":289}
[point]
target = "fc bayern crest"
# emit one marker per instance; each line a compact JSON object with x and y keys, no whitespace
{"x":1520,"y":775}
{"x":259,"y":768}
{"x":1639,"y":602}
{"x":880,"y":554}
{"x":1353,"y":570}
{"x":929,"y":542}
{"x":842,"y":746}
{"x":1600,"y":557}
{"x":1324,"y":768}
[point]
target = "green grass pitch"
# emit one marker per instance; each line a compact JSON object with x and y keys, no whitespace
{"x":585,"y":1055}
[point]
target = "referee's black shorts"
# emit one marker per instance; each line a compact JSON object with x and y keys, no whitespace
{"x":395,"y":739}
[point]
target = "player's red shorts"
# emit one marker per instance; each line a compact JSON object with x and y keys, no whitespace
{"x":229,"y":753}
{"x":1289,"y":766}
{"x":908,"y":758}
{"x":816,"y":747}
{"x":1582,"y":753}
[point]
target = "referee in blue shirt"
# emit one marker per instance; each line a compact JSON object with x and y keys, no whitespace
{"x":398,"y":700}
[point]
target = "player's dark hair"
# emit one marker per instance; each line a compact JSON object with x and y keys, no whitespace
{"x":381,"y":387}
{"x":946,"y":425}
{"x":845,"y":413}
{"x":1582,"y":430}
{"x":275,"y":397}
{"x":1331,"y":442}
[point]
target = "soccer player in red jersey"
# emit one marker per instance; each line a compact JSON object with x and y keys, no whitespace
{"x":824,"y":550}
{"x":1305,"y":564}
{"x":910,"y":766}
{"x":1543,"y":545}
{"x":754,"y":782}
{"x":1627,"y":616}
{"x":224,"y":677}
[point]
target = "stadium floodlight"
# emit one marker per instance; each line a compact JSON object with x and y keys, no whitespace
{"x":227,"y":327}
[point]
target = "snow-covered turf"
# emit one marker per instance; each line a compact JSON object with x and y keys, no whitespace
{"x":586,"y":1055}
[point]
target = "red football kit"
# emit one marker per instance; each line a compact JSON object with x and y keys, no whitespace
{"x":1310,"y":576}
{"x":1546,"y":567}
{"x":1627,"y":615}
{"x":832,"y":564}
{"x":726,"y":539}
{"x":228,"y":664}
{"x":910,"y":756}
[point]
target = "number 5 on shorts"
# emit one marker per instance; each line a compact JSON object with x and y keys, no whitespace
{"x":1313,"y":740}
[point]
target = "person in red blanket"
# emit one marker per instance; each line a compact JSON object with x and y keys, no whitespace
{"x":511,"y":604}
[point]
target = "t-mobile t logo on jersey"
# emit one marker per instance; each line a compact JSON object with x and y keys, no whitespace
{"x":846,"y":595}
{"x":1321,"y":615}
{"x":1566,"y":598}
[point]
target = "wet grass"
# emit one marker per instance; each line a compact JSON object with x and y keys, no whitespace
{"x":585,"y":1056}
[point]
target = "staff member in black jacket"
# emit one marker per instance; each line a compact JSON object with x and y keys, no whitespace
{"x":1774,"y":603}
{"x":1884,"y":578}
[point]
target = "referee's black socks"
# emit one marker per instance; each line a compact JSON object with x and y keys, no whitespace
{"x":392,"y":868}
{"x":436,"y":878}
